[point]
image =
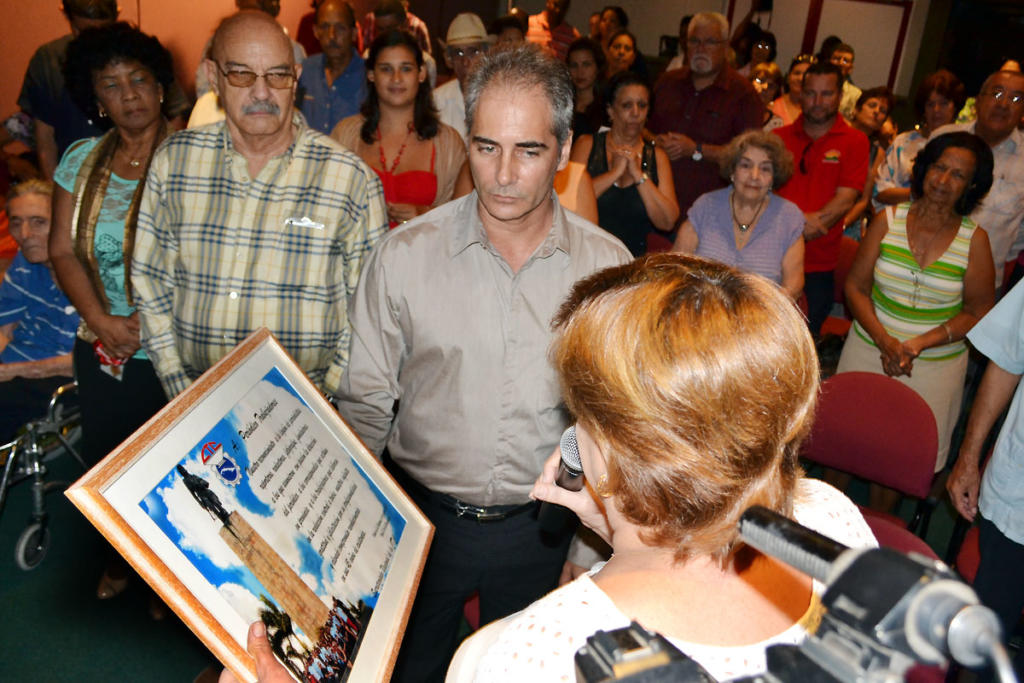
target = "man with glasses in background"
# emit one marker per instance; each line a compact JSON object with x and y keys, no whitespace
{"x":255,"y":221}
{"x":698,"y":109}
{"x":831,"y":165}
{"x":1000,"y":106}
{"x":467,"y":42}
{"x":843,"y":58}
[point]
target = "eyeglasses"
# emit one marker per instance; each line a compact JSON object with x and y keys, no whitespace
{"x":242,"y":78}
{"x":465,"y":52}
{"x":999,"y":94}
{"x":706,"y":43}
{"x":803,"y":157}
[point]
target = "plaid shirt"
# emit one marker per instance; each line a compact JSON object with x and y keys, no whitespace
{"x":219,"y":254}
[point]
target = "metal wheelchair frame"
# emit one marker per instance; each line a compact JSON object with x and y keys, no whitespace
{"x":26,"y":459}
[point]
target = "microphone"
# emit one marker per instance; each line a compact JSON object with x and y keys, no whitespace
{"x":552,"y":518}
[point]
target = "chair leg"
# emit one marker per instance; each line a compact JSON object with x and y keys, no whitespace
{"x":5,"y":479}
{"x":956,"y":539}
{"x":922,"y":516}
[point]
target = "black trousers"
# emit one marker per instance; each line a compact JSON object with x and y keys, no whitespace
{"x":22,"y":400}
{"x":112,"y":409}
{"x":998,"y":581}
{"x":819,"y":288}
{"x":507,"y":562}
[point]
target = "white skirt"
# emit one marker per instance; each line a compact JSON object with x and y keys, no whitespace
{"x":939,"y":382}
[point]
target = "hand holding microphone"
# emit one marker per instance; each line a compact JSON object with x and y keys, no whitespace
{"x":561,"y":484}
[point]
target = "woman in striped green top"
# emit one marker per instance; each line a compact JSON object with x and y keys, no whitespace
{"x":922,"y":277}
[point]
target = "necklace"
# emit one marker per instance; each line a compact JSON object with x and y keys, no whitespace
{"x":919,"y":251}
{"x":744,"y":227}
{"x":132,"y":161}
{"x":631,"y":148}
{"x":398,"y":157}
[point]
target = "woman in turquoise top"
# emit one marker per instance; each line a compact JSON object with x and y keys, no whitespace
{"x":118,"y":75}
{"x":922,"y":277}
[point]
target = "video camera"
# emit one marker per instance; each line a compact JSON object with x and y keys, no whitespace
{"x":884,"y":612}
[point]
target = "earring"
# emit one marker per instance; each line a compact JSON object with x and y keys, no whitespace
{"x":161,"y":99}
{"x":102,"y":113}
{"x":602,"y":486}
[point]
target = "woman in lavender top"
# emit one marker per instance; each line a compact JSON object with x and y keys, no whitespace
{"x":746,"y":225}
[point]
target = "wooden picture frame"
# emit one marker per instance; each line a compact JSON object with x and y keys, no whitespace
{"x":250,"y":480}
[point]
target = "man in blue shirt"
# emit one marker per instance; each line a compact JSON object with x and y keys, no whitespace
{"x":999,"y":495}
{"x":333,"y":83}
{"x":37,"y":323}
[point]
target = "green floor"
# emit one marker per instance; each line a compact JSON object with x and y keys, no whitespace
{"x":52,"y":626}
{"x":54,"y":629}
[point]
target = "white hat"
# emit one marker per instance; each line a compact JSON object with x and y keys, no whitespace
{"x":467,"y":28}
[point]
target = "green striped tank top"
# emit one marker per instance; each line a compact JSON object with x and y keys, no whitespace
{"x":909,"y":300}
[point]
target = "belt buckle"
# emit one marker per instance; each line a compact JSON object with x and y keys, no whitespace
{"x":483,"y":516}
{"x":466,"y":510}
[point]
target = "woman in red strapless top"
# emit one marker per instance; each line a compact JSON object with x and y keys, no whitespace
{"x":398,"y":134}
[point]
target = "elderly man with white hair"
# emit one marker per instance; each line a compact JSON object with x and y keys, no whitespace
{"x":698,"y":109}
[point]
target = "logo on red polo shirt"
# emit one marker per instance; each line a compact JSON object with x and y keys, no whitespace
{"x":831,"y":157}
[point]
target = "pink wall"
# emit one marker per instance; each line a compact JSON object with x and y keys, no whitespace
{"x":183,"y":26}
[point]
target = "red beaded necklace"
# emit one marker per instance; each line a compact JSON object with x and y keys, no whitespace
{"x":398,"y":157}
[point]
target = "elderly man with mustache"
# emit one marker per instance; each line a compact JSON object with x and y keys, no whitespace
{"x":254,"y":221}
{"x":698,"y":109}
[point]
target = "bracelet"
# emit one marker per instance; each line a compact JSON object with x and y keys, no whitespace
{"x":949,"y":333}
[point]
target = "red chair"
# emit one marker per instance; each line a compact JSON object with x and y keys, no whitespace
{"x":875,"y":428}
{"x":969,"y":557}
{"x":897,"y":537}
{"x":833,"y":325}
{"x":471,"y":611}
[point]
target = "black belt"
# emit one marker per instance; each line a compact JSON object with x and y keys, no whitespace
{"x":449,"y":503}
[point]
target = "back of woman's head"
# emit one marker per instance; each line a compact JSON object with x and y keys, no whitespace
{"x":425,"y":118}
{"x":698,"y":382}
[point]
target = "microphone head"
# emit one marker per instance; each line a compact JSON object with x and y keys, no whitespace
{"x":571,"y":451}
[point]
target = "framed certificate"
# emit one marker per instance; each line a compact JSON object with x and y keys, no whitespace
{"x":248,"y":498}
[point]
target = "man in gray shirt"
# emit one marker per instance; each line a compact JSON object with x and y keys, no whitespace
{"x":448,"y":368}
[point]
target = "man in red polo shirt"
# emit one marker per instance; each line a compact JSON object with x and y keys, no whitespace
{"x":831,"y":160}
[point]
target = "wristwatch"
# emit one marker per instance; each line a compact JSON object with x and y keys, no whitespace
{"x":698,"y":153}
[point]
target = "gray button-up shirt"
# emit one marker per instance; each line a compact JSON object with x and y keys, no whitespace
{"x":441,"y":324}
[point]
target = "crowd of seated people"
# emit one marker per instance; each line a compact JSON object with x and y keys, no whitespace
{"x":720,"y":156}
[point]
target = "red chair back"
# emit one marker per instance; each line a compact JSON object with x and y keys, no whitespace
{"x":897,"y":537}
{"x":875,"y":428}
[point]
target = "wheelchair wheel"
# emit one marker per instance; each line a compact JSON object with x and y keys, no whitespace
{"x":32,"y":546}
